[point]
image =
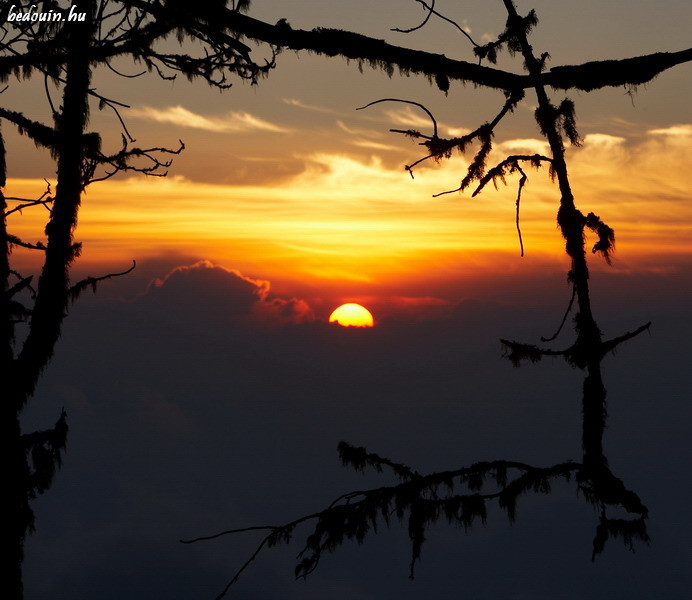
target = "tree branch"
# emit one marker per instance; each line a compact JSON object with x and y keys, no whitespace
{"x":76,"y":290}
{"x":610,"y":345}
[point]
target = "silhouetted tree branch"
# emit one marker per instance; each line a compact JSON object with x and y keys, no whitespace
{"x":76,"y":290}
{"x":379,"y":54}
{"x":421,"y":500}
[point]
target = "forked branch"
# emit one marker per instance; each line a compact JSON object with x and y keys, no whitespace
{"x":431,"y":11}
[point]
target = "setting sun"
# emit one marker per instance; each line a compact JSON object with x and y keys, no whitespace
{"x":352,"y":315}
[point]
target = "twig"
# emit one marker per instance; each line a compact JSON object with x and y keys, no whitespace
{"x":50,"y":100}
{"x":76,"y":290}
{"x":239,"y":572}
{"x":610,"y":345}
{"x":229,"y":532}
{"x":427,"y":18}
{"x":431,"y":11}
{"x":564,"y":318}
{"x":522,"y":183}
{"x":13,"y":239}
{"x":29,"y":203}
{"x":418,"y":104}
{"x":112,"y":68}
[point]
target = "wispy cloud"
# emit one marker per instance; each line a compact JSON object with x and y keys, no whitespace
{"x":303,"y":105}
{"x":529,"y":144}
{"x":675,"y":130}
{"x":407,"y":116}
{"x":363,"y":140}
{"x":356,"y":131}
{"x":233,"y":121}
{"x":603,"y":140}
{"x":374,"y":145}
{"x":457,"y":131}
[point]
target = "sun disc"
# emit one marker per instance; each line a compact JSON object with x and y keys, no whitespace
{"x":352,"y":315}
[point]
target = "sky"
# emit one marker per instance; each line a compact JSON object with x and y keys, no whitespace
{"x":206,"y":389}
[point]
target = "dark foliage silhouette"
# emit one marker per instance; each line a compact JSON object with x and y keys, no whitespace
{"x":65,"y":54}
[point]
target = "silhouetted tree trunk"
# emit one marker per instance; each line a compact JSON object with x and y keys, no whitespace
{"x":50,"y":305}
{"x":66,"y":53}
{"x":572,"y":223}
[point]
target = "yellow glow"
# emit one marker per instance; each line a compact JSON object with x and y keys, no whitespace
{"x":352,"y":315}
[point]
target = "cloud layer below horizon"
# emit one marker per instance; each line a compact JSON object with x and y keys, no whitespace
{"x":199,"y":406}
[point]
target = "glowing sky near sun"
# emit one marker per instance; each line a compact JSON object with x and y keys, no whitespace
{"x":360,"y":220}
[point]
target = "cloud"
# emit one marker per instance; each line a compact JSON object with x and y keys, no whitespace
{"x":673,"y":130}
{"x":300,"y":104}
{"x":603,"y":140}
{"x":234,"y":121}
{"x":415,"y":118}
{"x":205,"y":288}
{"x":407,"y":116}
{"x":457,"y":131}
{"x":374,"y":145}
{"x":363,"y":134}
{"x":532,"y":145}
{"x":356,"y":131}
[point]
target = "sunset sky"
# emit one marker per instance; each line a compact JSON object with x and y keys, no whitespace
{"x":206,"y":389}
{"x":287,"y":181}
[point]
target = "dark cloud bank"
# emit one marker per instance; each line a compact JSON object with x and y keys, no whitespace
{"x":206,"y":403}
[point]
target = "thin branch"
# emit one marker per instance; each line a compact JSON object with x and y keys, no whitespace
{"x":40,"y":134}
{"x":431,"y":11}
{"x":359,"y":458}
{"x":511,"y":162}
{"x":28,"y":203}
{"x":14,"y":240}
{"x":22,"y":278}
{"x":418,"y":104}
{"x":522,"y":183}
{"x":517,"y":352}
{"x":564,"y":318}
{"x":76,"y":290}
{"x":610,"y":345}
{"x":119,"y":162}
{"x":125,"y":75}
{"x":113,"y":105}
{"x":442,"y":148}
{"x":229,"y":532}
{"x":499,"y":171}
{"x":24,"y":282}
{"x":50,"y":100}
{"x":427,"y":18}
{"x":239,"y":572}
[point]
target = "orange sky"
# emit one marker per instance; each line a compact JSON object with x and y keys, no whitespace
{"x":350,"y":219}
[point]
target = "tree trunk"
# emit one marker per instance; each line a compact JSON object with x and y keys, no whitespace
{"x":51,"y":301}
